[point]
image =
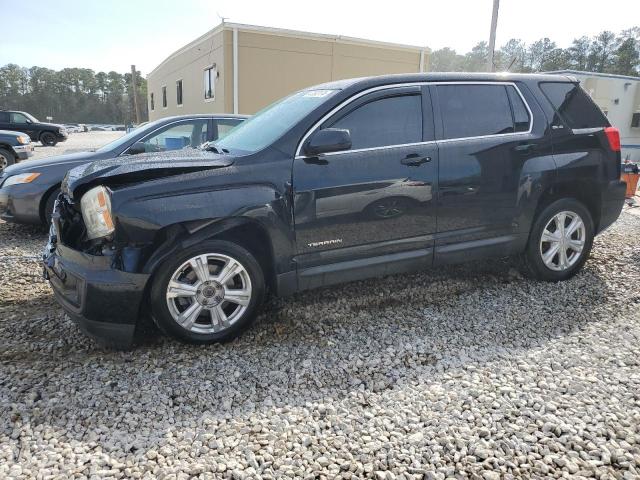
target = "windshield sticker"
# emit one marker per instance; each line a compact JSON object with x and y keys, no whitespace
{"x":317,"y":93}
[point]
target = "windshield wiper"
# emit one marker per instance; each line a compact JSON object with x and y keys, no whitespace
{"x":211,"y":147}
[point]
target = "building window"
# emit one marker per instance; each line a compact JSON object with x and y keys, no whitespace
{"x":164,"y":97}
{"x":209,"y":82}
{"x":179,"y":92}
{"x":153,"y":105}
{"x":635,"y":120}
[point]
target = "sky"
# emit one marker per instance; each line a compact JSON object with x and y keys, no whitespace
{"x":114,"y":34}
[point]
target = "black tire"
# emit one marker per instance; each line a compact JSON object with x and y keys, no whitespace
{"x":162,"y":316}
{"x":535,"y":266}
{"x":48,"y":206}
{"x":48,"y":139}
{"x":7,"y":158}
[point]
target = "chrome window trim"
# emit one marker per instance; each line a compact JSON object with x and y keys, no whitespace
{"x":346,"y":102}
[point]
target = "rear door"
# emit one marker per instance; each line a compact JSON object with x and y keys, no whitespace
{"x":378,"y":197}
{"x":4,"y":121}
{"x":484,"y":137}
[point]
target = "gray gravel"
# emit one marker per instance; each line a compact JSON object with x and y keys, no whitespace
{"x":463,"y":372}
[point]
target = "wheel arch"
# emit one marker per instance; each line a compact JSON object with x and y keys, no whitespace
{"x":585,"y":192}
{"x":44,"y":199}
{"x":243,"y":231}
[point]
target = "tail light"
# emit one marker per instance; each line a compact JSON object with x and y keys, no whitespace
{"x":613,"y":135}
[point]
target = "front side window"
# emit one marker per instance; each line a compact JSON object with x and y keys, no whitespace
{"x":573,"y":106}
{"x":179,"y":92}
{"x":164,"y":97}
{"x":474,"y":110}
{"x":17,"y":117}
{"x":153,"y":106}
{"x":209,"y":82}
{"x":384,"y":122}
{"x":177,"y":137}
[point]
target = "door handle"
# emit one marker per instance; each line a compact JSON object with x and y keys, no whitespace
{"x":414,"y":160}
{"x":525,"y":147}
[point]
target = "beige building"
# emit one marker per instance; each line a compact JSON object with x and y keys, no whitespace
{"x":238,"y":68}
{"x":618,"y":96}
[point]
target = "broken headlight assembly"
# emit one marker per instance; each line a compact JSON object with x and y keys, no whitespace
{"x":96,"y":213}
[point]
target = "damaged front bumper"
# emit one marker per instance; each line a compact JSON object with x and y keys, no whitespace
{"x":103,"y":300}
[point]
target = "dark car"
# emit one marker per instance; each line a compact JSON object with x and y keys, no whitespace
{"x":27,"y":191}
{"x":14,"y":146}
{"x":49,"y":134}
{"x":338,"y":182}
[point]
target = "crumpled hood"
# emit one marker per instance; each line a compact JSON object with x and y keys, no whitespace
{"x":146,"y":166}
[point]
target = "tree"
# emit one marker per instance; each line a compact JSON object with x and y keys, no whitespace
{"x":70,"y":95}
{"x":601,"y":52}
{"x":539,"y":53}
{"x":512,"y":56}
{"x":476,"y":59}
{"x":445,"y":60}
{"x":578,"y":53}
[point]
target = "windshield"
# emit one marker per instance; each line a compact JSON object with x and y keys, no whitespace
{"x":271,"y":123}
{"x":129,"y":136}
{"x":31,"y":117}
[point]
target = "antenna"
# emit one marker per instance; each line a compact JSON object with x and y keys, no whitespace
{"x":222,"y":19}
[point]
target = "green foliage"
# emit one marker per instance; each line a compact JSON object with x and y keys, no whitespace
{"x":72,"y":95}
{"x":605,"y":52}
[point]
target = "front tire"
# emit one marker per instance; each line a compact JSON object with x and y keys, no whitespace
{"x":209,"y":293}
{"x":48,"y":139}
{"x":560,"y":241}
{"x":7,"y":158}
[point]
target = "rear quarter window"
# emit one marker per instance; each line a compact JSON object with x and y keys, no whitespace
{"x":573,"y":106}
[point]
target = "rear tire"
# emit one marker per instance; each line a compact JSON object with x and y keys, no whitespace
{"x":209,"y":293}
{"x":7,"y":159}
{"x":48,"y":139}
{"x":560,"y":241}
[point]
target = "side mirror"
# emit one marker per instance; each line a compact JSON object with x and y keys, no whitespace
{"x":28,"y":121}
{"x":137,"y":148}
{"x":328,"y":140}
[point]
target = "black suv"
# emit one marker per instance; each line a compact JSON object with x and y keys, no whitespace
{"x":14,"y":146}
{"x":338,"y":182}
{"x":48,"y":134}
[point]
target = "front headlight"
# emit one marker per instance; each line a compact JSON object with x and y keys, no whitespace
{"x":21,"y":178}
{"x":23,"y":139}
{"x":96,"y":212}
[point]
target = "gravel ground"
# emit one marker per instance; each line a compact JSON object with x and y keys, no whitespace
{"x":75,"y":142}
{"x":464,"y":372}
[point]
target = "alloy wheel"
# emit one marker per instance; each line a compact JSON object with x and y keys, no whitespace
{"x":208,"y":293}
{"x":562,"y":241}
{"x":4,"y":163}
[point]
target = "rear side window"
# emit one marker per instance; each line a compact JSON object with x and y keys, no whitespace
{"x":521,"y":117}
{"x":384,"y":122}
{"x":474,"y":110}
{"x":573,"y":106}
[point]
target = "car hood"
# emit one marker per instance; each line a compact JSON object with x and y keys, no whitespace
{"x":146,"y":166}
{"x":35,"y":165}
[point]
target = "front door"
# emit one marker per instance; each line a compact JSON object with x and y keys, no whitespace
{"x":377,"y":198}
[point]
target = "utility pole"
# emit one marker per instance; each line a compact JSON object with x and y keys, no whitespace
{"x":134,"y":91}
{"x":492,"y":35}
